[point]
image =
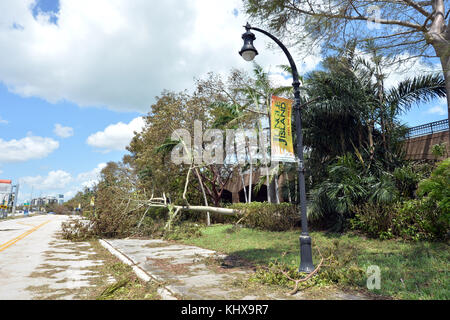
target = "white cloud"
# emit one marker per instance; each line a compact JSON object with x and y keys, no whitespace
{"x":90,"y":178}
{"x":69,"y":194}
{"x":121,"y":54}
{"x":63,"y":132}
{"x":3,"y":121}
{"x":440,"y":109}
{"x":30,"y":147}
{"x":116,"y":136}
{"x":410,"y":68}
{"x":55,"y":180}
{"x":437,"y":110}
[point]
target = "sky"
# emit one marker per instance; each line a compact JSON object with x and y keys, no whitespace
{"x":76,"y":77}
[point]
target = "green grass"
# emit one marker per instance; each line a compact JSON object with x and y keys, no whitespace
{"x":409,"y":270}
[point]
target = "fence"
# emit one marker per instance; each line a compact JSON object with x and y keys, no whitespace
{"x":429,"y":128}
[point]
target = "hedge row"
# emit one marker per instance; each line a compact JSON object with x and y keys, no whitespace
{"x":268,"y":216}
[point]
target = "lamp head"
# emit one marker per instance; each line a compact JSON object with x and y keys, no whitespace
{"x":248,"y":51}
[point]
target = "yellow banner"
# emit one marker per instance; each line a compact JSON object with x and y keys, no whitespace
{"x":281,"y":131}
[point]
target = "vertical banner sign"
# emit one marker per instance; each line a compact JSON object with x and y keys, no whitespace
{"x":280,"y":130}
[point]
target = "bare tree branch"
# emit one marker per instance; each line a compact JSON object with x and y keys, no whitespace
{"x":292,"y":6}
{"x":418,"y":8}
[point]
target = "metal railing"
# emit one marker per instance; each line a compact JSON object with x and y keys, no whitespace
{"x":429,"y":128}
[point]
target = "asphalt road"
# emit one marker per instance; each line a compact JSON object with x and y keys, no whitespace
{"x":23,"y":242}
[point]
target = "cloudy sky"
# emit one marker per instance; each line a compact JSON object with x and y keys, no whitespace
{"x":76,"y":76}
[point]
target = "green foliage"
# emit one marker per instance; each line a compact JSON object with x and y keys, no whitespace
{"x":416,"y":219}
{"x":268,"y":216}
{"x":437,"y":187}
{"x":425,"y":218}
{"x":439,"y":150}
{"x":340,"y":268}
{"x":421,"y":219}
{"x":422,"y":88}
{"x":406,"y":180}
{"x":184,"y":230}
{"x":82,"y":198}
{"x":409,"y":269}
{"x":350,"y":183}
{"x":374,"y":219}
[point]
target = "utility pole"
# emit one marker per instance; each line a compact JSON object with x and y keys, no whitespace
{"x":16,"y":194}
{"x":31,"y":199}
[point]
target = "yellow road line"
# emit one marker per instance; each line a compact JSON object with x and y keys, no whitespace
{"x":23,"y":235}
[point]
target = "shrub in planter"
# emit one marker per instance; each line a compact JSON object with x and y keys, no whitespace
{"x":268,"y":216}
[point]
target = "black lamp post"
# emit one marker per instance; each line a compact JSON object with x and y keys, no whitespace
{"x":248,"y":52}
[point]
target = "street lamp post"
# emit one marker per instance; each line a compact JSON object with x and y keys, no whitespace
{"x":248,"y":52}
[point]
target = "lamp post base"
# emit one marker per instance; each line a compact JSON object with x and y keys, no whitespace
{"x":306,"y":263}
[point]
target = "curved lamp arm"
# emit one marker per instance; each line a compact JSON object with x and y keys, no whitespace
{"x":285,"y":50}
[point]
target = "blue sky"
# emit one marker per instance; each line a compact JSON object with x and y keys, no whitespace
{"x":76,"y":76}
{"x":28,"y":116}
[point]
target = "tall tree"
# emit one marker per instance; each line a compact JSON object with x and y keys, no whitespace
{"x":355,"y":111}
{"x":418,"y":28}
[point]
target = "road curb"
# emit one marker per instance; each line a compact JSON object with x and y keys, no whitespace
{"x":146,"y":276}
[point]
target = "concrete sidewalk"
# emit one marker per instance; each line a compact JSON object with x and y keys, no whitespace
{"x":193,"y":273}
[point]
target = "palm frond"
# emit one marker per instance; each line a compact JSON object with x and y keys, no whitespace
{"x":419,"y":89}
{"x":167,"y":146}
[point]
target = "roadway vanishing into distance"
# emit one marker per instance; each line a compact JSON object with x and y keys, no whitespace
{"x":23,"y":243}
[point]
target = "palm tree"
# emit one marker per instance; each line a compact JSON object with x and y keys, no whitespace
{"x":355,"y":111}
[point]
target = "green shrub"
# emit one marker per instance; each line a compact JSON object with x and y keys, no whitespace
{"x":184,"y":230}
{"x":416,"y":219}
{"x":350,"y":183}
{"x":375,"y":220}
{"x":160,"y":213}
{"x":268,"y":216}
{"x":437,"y":187}
{"x":419,"y":219}
{"x":439,"y":150}
{"x":425,"y":218}
{"x":406,"y":180}
{"x":151,"y":227}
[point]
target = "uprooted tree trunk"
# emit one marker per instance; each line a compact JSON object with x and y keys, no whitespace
{"x":174,"y":210}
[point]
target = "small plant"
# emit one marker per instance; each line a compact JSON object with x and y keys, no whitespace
{"x":439,"y":150}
